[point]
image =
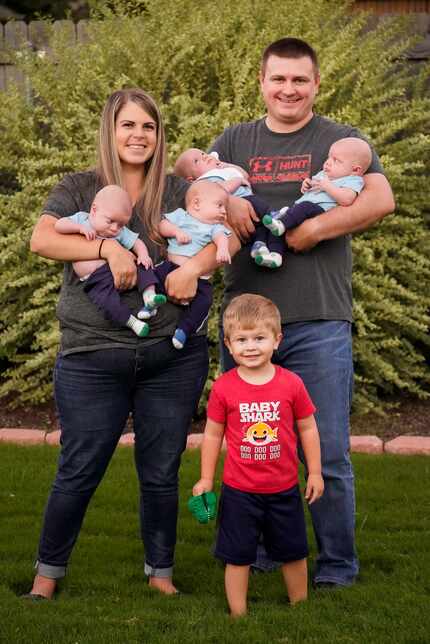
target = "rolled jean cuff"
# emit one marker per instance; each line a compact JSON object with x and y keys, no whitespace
{"x":52,"y":572}
{"x":158,"y":572}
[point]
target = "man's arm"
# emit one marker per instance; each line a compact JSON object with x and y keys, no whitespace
{"x":375,"y":202}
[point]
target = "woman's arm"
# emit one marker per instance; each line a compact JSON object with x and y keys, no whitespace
{"x":47,"y":242}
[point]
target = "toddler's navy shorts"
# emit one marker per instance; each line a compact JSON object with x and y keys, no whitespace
{"x":244,"y":516}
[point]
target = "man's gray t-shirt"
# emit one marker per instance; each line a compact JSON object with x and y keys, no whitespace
{"x":82,"y":325}
{"x":315,"y":285}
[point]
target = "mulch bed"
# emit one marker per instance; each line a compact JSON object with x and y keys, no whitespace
{"x":411,"y":418}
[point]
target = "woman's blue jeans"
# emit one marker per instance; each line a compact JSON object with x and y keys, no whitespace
{"x":95,"y":393}
{"x":320,"y":353}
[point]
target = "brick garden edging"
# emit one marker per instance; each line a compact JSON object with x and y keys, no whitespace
{"x":407,"y":445}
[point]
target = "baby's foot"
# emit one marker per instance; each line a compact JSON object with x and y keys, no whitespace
{"x":140,"y":328}
{"x":151,"y":299}
{"x":179,"y":339}
{"x":270,"y":260}
{"x":275,"y":225}
{"x":145,"y":313}
{"x":258,"y":248}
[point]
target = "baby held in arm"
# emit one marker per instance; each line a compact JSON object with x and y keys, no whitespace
{"x":109,"y":215}
{"x":337,"y":184}
{"x":187,"y":232}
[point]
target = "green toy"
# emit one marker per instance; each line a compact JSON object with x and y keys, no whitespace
{"x":203,"y":507}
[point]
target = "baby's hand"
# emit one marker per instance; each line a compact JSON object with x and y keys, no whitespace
{"x":314,"y":488}
{"x":182,"y":238}
{"x":321,"y":184}
{"x":306,"y":185}
{"x":145,"y":260}
{"x":223,"y":257}
{"x":88,"y":233}
{"x":204,"y":485}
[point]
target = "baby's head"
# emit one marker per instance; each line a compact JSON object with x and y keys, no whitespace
{"x":346,"y":157}
{"x":247,"y":312}
{"x":192,"y":163}
{"x":207,"y":202}
{"x":110,"y":211}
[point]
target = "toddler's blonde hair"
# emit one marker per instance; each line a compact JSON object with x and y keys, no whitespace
{"x":247,"y":311}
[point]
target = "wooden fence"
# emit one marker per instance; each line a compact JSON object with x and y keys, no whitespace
{"x":15,"y":33}
{"x":380,"y":7}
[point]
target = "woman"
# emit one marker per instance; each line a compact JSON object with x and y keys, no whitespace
{"x":105,"y":372}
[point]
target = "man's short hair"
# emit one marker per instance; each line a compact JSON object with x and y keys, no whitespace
{"x":247,"y":311}
{"x":289,"y":48}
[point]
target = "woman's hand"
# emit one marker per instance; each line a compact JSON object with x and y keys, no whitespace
{"x":122,"y":264}
{"x":181,"y":284}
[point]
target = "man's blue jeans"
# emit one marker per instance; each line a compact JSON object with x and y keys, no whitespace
{"x":320,"y":353}
{"x":95,"y":393}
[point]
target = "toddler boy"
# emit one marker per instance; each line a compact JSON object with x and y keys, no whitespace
{"x":257,"y":406}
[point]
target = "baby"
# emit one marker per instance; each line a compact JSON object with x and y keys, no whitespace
{"x":109,"y":215}
{"x":187,"y":232}
{"x":194,"y":164}
{"x":339,"y":182}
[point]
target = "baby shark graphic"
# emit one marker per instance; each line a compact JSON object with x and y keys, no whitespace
{"x":260,"y":434}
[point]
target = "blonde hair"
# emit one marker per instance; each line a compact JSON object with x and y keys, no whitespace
{"x":109,"y":167}
{"x":247,"y":311}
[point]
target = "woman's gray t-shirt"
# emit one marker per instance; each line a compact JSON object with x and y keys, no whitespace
{"x":83,"y":327}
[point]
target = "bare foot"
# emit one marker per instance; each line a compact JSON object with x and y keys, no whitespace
{"x":164,"y":585}
{"x":44,"y":586}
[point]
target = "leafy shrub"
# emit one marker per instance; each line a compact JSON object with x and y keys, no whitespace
{"x":200,"y":62}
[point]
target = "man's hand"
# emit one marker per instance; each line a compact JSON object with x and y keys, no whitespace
{"x":181,"y":284}
{"x":122,"y":264}
{"x":241,"y":217}
{"x":304,"y":237}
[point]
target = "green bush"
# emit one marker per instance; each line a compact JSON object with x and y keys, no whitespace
{"x":200,"y":61}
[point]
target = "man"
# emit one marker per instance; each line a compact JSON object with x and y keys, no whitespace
{"x":313,"y":287}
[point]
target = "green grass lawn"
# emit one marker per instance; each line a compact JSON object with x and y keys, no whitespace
{"x":105,"y":598}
